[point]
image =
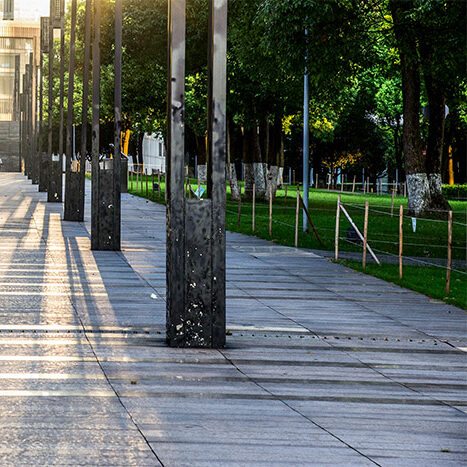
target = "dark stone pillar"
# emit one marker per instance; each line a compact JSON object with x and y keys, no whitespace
{"x":55,"y":182}
{"x":34,"y":168}
{"x":43,"y":171}
{"x":43,"y":162}
{"x":73,"y":206}
{"x":196,"y":227}
{"x":105,"y":209}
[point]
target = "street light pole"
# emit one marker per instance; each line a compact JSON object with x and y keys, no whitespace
{"x":306,"y":139}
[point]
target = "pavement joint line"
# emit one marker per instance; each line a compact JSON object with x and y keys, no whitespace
{"x":373,"y":367}
{"x":96,"y":359}
{"x":290,"y":407}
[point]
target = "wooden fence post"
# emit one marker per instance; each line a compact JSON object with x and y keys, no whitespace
{"x":147,"y":183}
{"x":285,"y":200}
{"x":239,"y":221}
{"x":448,"y":271}
{"x":253,"y":212}
{"x":353,"y":185}
{"x":365,"y":234}
{"x":317,"y":180}
{"x":270,"y":210}
{"x":159,"y":183}
{"x":336,"y":238}
{"x":401,"y":240}
{"x":297,"y":210}
{"x":405,"y":189}
{"x":392,"y":203}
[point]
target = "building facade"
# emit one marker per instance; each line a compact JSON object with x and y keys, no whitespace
{"x":19,"y":38}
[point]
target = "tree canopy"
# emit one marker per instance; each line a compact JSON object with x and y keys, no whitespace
{"x":373,"y":66}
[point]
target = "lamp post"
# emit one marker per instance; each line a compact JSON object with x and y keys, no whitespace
{"x":306,"y":139}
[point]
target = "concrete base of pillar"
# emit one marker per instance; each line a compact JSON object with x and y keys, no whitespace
{"x":74,"y":197}
{"x":43,"y":172}
{"x":55,"y":185}
{"x":124,"y":176}
{"x":105,"y":232}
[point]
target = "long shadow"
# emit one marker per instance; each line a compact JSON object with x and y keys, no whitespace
{"x":33,"y":273}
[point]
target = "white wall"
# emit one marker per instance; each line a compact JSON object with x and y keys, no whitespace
{"x":153,"y":153}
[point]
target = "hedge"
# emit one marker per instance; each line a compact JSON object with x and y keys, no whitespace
{"x":455,"y":191}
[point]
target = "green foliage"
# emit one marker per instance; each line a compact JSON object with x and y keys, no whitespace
{"x":349,"y":51}
{"x":455,"y":191}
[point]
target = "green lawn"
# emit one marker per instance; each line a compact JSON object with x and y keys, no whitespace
{"x":427,"y":242}
{"x":430,"y":281}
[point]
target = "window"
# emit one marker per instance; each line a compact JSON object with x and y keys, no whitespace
{"x":8,"y":9}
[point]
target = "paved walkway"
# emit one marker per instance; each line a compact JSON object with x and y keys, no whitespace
{"x":323,"y":365}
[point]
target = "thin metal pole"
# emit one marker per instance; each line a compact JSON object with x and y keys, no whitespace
{"x":336,"y":236}
{"x":448,"y":270}
{"x":306,"y":139}
{"x":401,"y":239}
{"x":365,"y":233}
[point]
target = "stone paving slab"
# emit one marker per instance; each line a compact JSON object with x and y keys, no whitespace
{"x":323,"y":365}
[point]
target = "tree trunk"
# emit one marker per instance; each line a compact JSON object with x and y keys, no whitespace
{"x":231,"y":171}
{"x":247,"y":157}
{"x":417,"y":180}
{"x":274,"y":157}
{"x":139,"y":154}
{"x":398,"y":150}
{"x":202,"y":158}
{"x":281,"y":162}
{"x":253,"y":168}
{"x":265,"y":145}
{"x":436,"y":117}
